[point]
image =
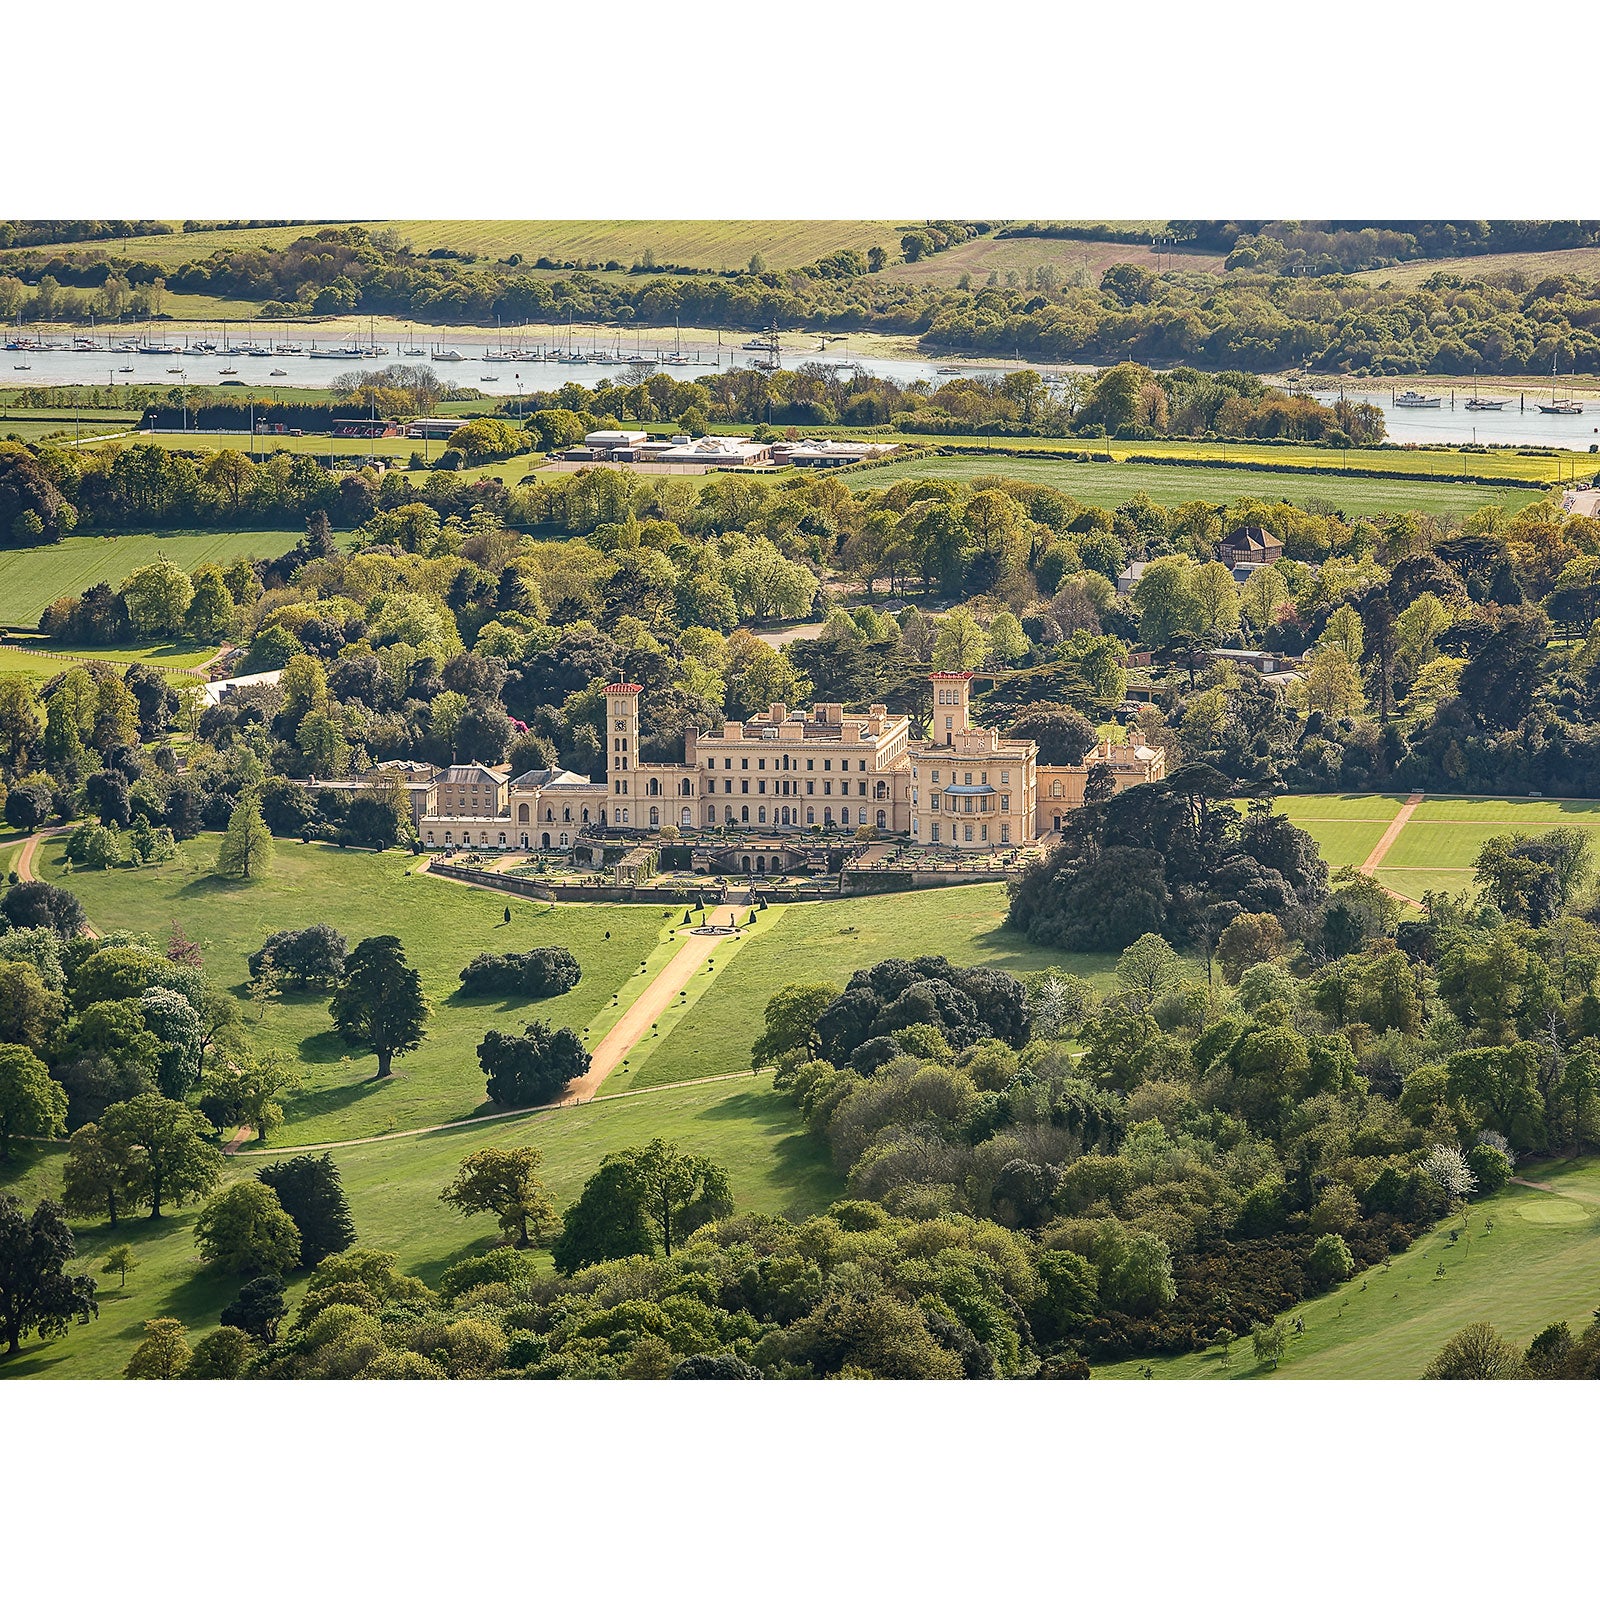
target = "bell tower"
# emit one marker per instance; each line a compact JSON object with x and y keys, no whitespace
{"x":952,"y":693}
{"x":622,"y":736}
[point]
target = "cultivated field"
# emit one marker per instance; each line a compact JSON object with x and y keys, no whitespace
{"x":393,"y":1188}
{"x":1537,"y":1266}
{"x":977,"y":258}
{"x":1581,"y":263}
{"x":31,"y":579}
{"x":720,"y":245}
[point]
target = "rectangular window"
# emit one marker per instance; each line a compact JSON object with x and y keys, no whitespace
{"x":810,"y":765}
{"x":933,"y":802}
{"x":827,"y":786}
{"x":762,"y":764}
{"x":1005,"y":777}
{"x":744,"y":761}
{"x":811,"y":787}
{"x":761,"y":786}
{"x":827,"y":766}
{"x":1005,"y":802}
{"x":983,"y":833}
{"x":1005,"y":833}
{"x":969,"y":833}
{"x":744,"y":786}
{"x":935,"y":833}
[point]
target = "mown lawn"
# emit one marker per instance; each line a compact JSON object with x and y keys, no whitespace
{"x":825,"y":943}
{"x":1112,"y":483}
{"x":441,"y":924}
{"x":393,"y":1188}
{"x":30,"y":579}
{"x":1540,"y":1264}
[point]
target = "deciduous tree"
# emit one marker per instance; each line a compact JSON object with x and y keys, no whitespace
{"x":32,"y":1104}
{"x":37,"y":1294}
{"x":506,"y":1184}
{"x":163,"y":1148}
{"x":244,"y":1230}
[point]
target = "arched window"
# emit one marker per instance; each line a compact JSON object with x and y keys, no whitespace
{"x":447,"y":834}
{"x":744,"y":816}
{"x":1056,"y":791}
{"x":549,"y":814}
{"x":602,"y":819}
{"x":566,"y":814}
{"x":882,"y":791}
{"x":522,"y":813}
{"x":686,"y":818}
{"x":711,"y":816}
{"x":827,"y":816}
{"x":883,"y":820}
{"x":687,"y":786}
{"x":524,"y":841}
{"x":811,"y":816}
{"x":586,"y":816}
{"x":544,"y":841}
{"x":655,"y":816}
{"x":728,"y":815}
{"x":761,"y":813}
{"x":564,"y":841}
{"x":655,"y":787}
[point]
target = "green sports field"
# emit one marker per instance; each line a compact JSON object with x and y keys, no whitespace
{"x":1111,"y":483}
{"x":1436,"y":848}
{"x":1539,"y":1264}
{"x":30,"y":579}
{"x":393,"y":1188}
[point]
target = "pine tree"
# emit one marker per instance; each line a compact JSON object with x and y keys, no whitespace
{"x":247,"y":845}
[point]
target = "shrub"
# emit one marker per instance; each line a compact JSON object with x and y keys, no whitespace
{"x":539,"y":974}
{"x":1330,"y":1260}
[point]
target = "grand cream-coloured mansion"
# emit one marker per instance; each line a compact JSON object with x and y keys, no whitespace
{"x":780,"y":772}
{"x":827,"y":768}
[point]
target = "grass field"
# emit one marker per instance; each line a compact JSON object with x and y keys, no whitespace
{"x":825,"y":943}
{"x":1112,"y":483}
{"x":442,"y":925}
{"x":42,"y":666}
{"x":393,"y":1189}
{"x":31,"y":579}
{"x":1540,"y":1264}
{"x":1436,"y":848}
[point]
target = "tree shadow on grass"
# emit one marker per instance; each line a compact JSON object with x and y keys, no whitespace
{"x":800,"y":1161}
{"x":25,"y":1159}
{"x":325,"y":1048}
{"x":335,"y":1097}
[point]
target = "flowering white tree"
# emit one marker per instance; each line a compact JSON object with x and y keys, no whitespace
{"x":1448,"y":1168}
{"x":1059,"y":1003}
{"x":1498,"y":1141}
